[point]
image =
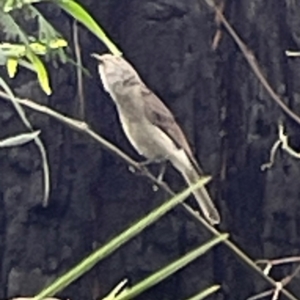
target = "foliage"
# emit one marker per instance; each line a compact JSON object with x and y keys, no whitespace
{"x":11,"y":53}
{"x":47,"y":39}
{"x":118,"y":241}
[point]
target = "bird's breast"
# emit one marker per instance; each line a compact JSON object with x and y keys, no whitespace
{"x":103,"y":78}
{"x":147,"y":139}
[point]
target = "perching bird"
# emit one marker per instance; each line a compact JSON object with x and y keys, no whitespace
{"x":150,"y":126}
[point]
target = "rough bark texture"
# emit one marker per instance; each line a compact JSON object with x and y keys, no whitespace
{"x":229,"y":119}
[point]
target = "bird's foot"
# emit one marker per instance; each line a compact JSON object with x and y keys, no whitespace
{"x":144,"y":164}
{"x":162,"y":172}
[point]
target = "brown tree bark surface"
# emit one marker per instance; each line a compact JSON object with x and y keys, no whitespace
{"x":229,"y":118}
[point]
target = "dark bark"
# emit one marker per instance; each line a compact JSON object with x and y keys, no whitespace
{"x":229,"y":119}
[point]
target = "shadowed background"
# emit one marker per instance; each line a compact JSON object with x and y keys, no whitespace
{"x":229,"y":119}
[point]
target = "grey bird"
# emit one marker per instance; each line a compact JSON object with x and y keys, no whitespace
{"x":150,"y":126}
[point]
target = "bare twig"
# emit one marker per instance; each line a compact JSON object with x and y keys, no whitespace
{"x":285,"y":145}
{"x":83,"y":127}
{"x":267,"y":269}
{"x":283,"y":142}
{"x":80,"y":91}
{"x":249,"y":56}
{"x":277,"y":291}
{"x":261,"y":295}
{"x":218,"y":35}
{"x":273,"y":151}
{"x":37,"y":140}
{"x":292,"y":53}
{"x":279,"y":261}
{"x":289,"y":278}
{"x":117,"y":290}
{"x":280,"y":284}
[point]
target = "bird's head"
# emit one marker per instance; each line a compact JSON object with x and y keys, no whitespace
{"x":116,"y":73}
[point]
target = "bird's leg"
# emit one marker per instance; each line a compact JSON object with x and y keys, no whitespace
{"x":161,"y":174}
{"x":147,"y":162}
{"x":144,"y":164}
{"x":160,"y":177}
{"x":151,"y":161}
{"x":162,"y":170}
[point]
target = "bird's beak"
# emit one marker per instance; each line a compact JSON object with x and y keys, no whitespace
{"x":97,"y":57}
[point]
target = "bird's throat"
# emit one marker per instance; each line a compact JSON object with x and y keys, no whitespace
{"x":103,"y":78}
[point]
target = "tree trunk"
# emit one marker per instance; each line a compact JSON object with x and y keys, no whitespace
{"x":229,"y":119}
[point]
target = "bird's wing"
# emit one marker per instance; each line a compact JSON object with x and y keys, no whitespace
{"x":160,"y":116}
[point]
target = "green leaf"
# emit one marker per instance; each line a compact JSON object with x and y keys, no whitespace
{"x":162,"y":274}
{"x":17,"y":106}
{"x":13,"y":50}
{"x":37,"y":63}
{"x":82,"y":16}
{"x":11,"y":66}
{"x":41,"y":72}
{"x":116,"y":243}
{"x":20,"y":139}
{"x":9,"y":27}
{"x":37,"y":47}
{"x":2,"y":58}
{"x":26,"y":64}
{"x":207,"y":292}
{"x":8,"y":6}
{"x":116,"y":290}
{"x":57,"y":43}
{"x":13,"y":4}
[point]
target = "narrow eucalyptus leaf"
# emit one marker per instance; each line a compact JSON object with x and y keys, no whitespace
{"x":131,"y":293}
{"x":89,"y":262}
{"x":11,"y":66}
{"x":41,"y":72}
{"x":207,"y":292}
{"x":81,"y":15}
{"x":19,"y":139}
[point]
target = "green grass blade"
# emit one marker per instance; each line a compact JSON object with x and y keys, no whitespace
{"x":41,"y":72}
{"x":115,"y":243}
{"x":82,"y":16}
{"x":162,"y":274}
{"x":12,"y":4}
{"x":37,"y":63}
{"x":11,"y":67}
{"x":207,"y":292}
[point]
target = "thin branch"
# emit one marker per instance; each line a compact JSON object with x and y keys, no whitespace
{"x":249,"y":56}
{"x":277,"y":291}
{"x":218,"y":35}
{"x":273,"y":151}
{"x":292,"y":53}
{"x":279,"y":261}
{"x":280,"y":284}
{"x":83,"y":127}
{"x":285,"y":145}
{"x":37,"y":140}
{"x":121,"y":286}
{"x":80,"y":91}
{"x":261,"y":295}
{"x":283,"y":142}
{"x":289,"y":278}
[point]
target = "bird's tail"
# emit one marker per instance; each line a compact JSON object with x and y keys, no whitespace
{"x":205,"y":202}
